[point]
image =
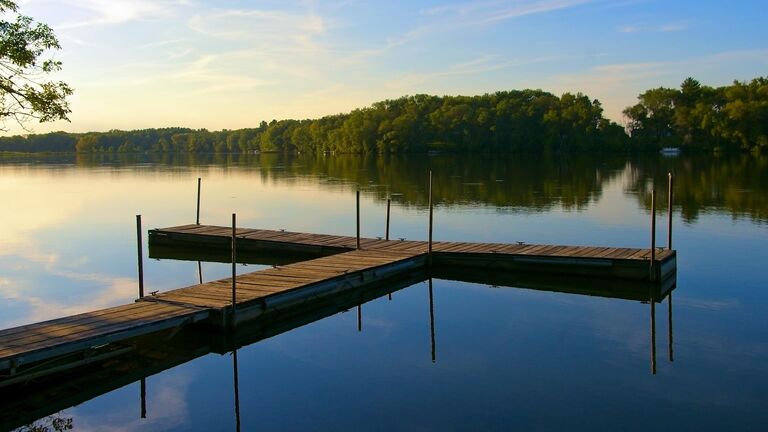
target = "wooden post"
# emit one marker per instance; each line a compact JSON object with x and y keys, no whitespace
{"x":358,"y":218}
{"x":234,"y":271}
{"x":143,"y":398}
{"x":653,"y":234}
{"x":139,"y":254}
{"x":669,"y":213}
{"x":386,"y":234}
{"x":198,"y":200}
{"x":432,"y":321}
{"x":430,"y":218}
{"x":200,"y":272}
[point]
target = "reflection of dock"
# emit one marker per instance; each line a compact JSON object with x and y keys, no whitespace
{"x":152,"y":354}
{"x":37,"y":349}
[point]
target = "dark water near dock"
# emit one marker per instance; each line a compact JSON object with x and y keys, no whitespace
{"x":504,"y":358}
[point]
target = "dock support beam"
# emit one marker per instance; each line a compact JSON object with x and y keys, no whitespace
{"x":430,"y":219}
{"x":198,"y":201}
{"x":357,"y":200}
{"x":140,"y":257}
{"x":669,"y":212}
{"x":234,"y":270}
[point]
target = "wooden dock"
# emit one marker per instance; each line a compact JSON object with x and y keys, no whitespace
{"x":604,"y":262}
{"x":336,"y":268}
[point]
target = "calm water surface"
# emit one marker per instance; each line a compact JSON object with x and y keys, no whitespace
{"x":504,"y":358}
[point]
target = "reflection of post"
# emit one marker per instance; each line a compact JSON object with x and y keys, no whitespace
{"x":237,"y":390}
{"x":669,"y":317}
{"x":432,"y":320}
{"x":139,"y":254}
{"x":653,"y":335}
{"x":198,"y":201}
{"x":143,"y":398}
{"x":200,"y":272}
{"x":360,"y":317}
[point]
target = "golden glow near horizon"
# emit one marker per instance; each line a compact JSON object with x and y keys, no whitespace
{"x":162,"y":63}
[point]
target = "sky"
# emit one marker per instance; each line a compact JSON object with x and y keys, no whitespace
{"x":231,"y":64}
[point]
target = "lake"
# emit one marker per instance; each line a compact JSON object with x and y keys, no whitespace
{"x":439,"y":355}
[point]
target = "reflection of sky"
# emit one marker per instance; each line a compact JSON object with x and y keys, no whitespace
{"x":505,"y":357}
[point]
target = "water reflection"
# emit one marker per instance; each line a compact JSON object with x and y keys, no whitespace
{"x":153,"y":354}
{"x":732,"y":184}
{"x":56,"y":262}
{"x":728,"y":183}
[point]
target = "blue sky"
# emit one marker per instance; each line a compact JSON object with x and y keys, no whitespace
{"x":231,"y":64}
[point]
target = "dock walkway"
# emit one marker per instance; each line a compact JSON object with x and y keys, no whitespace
{"x":611,"y":262}
{"x":337,"y":267}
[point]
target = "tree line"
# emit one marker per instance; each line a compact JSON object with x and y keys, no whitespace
{"x":696,"y":116}
{"x":503,"y":121}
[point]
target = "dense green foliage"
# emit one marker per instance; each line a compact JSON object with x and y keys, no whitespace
{"x":527,"y":120}
{"x":733,"y":117}
{"x":24,"y":94}
{"x":696,"y":116}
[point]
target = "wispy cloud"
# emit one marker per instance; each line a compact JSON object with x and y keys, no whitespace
{"x":449,"y":18}
{"x":492,"y":11}
{"x":675,"y":26}
{"x":476,"y":66}
{"x":257,"y":24}
{"x":161,"y":43}
{"x":112,"y":12}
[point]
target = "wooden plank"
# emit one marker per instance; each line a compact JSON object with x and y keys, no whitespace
{"x":73,"y":328}
{"x":180,"y":228}
{"x":555,"y":251}
{"x":546,"y":250}
{"x":527,"y":248}
{"x":535,"y":250}
{"x":640,"y":255}
{"x":83,"y":339}
{"x":54,"y":336}
{"x":84,"y":318}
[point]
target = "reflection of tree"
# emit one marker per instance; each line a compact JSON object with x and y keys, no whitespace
{"x":731,"y":183}
{"x":527,"y":181}
{"x":532,"y":182}
{"x":52,"y":423}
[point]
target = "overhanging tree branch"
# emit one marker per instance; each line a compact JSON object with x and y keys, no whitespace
{"x":25,"y":94}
